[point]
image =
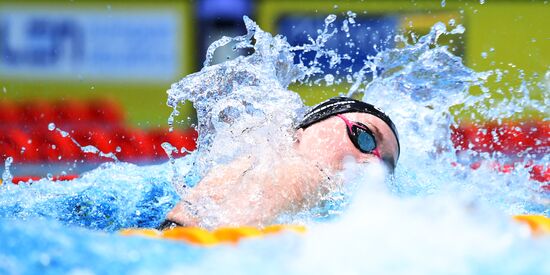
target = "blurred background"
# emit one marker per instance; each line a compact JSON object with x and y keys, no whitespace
{"x":77,"y":72}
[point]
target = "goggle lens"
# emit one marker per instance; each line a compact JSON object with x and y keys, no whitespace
{"x":365,"y":140}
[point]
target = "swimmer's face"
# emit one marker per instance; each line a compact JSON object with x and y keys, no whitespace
{"x":327,"y":142}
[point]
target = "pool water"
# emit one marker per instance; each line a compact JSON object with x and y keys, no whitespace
{"x":430,"y":217}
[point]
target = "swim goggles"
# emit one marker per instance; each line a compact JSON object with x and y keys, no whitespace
{"x":361,"y":136}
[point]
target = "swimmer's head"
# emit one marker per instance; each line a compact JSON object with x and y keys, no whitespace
{"x":343,"y":126}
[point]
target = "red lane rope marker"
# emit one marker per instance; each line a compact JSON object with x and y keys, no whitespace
{"x":510,"y":137}
{"x":537,"y":172}
{"x":18,"y":179}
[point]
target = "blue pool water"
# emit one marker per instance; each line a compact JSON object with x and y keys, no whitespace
{"x":431,"y":217}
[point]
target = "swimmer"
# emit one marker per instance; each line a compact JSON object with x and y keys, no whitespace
{"x":241,"y":193}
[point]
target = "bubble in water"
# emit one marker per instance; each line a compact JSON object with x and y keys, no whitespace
{"x":4,"y":89}
{"x":484,"y":55}
{"x":482,"y":2}
{"x":118,"y":149}
{"x":443,"y":3}
{"x":51,"y":126}
{"x":49,"y":176}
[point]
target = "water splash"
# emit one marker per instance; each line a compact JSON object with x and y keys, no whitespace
{"x":87,"y":149}
{"x":181,"y":187}
{"x":228,"y":100}
{"x":244,"y":107}
{"x":111,"y":197}
{"x":423,"y":81}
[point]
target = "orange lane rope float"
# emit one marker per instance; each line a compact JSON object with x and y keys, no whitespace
{"x":539,"y":225}
{"x":203,"y":237}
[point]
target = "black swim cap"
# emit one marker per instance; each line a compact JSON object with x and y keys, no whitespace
{"x":341,"y":105}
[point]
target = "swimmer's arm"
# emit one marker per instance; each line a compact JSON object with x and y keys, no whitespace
{"x":209,"y":189}
{"x":239,"y":194}
{"x":286,"y":186}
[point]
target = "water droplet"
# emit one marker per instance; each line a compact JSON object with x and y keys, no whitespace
{"x":49,"y":176}
{"x":118,"y":149}
{"x":329,"y":79}
{"x":335,"y":6}
{"x":484,"y":55}
{"x":7,"y":176}
{"x":345,"y":27}
{"x":4,"y":89}
{"x":89,"y":149}
{"x":482,"y":2}
{"x":459,"y":29}
{"x":51,"y":126}
{"x":443,"y":3}
{"x":351,"y":17}
{"x":53,"y":146}
{"x":168,"y":148}
{"x":330,"y":18}
{"x":23,"y":149}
